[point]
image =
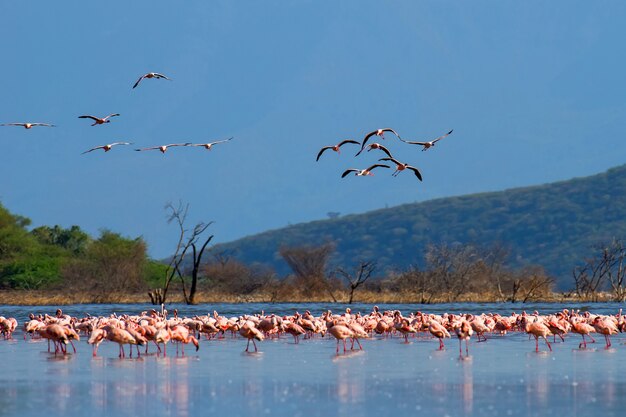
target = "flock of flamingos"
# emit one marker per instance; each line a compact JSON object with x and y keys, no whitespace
{"x":400,"y":166}
{"x":159,"y":329}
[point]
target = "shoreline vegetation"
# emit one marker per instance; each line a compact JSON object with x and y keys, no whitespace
{"x":55,"y":265}
{"x":59,"y":298}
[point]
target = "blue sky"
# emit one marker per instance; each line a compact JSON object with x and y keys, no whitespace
{"x":533,"y":90}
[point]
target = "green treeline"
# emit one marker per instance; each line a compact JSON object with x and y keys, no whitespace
{"x":58,"y":258}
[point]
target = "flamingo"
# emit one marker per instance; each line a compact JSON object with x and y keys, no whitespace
{"x":340,"y":332}
{"x":363,"y":172}
{"x":56,"y":333}
{"x":358,"y":333}
{"x":97,"y":336}
{"x":582,"y":329}
{"x":335,"y":147}
{"x":401,"y":167}
{"x":181,"y":334}
{"x":440,"y":332}
{"x":427,"y":145}
{"x":98,"y":120}
{"x":405,"y":328}
{"x":208,"y":146}
{"x":295,"y":330}
{"x":163,"y":148}
{"x":606,"y":328}
{"x":375,"y":146}
{"x":107,"y":147}
{"x":28,"y":125}
{"x":163,"y":335}
{"x":378,"y":132}
{"x":250,"y":332}
{"x":463,"y":331}
{"x":151,"y":75}
{"x":538,"y":329}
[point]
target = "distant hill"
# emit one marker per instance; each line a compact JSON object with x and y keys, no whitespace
{"x":551,"y":225}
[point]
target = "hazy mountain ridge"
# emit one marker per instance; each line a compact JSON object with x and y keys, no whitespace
{"x":552,"y":225}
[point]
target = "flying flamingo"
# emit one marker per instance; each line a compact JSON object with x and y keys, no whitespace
{"x":163,"y":148}
{"x":250,"y":332}
{"x":375,"y":146}
{"x":208,"y":146}
{"x":363,"y":172}
{"x":427,"y":145}
{"x":463,"y":331}
{"x":378,"y":132}
{"x":335,"y":147}
{"x":27,"y":125}
{"x":98,"y":120}
{"x":401,"y":167}
{"x":107,"y":147}
{"x":151,"y":75}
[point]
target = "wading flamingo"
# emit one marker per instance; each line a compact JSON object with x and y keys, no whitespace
{"x":463,"y":331}
{"x":340,"y":332}
{"x":250,"y":332}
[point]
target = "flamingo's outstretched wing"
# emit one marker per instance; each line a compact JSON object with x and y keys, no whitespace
{"x":93,"y":149}
{"x":347,"y":171}
{"x":322,"y":151}
{"x":416,"y":171}
{"x":89,"y":117}
{"x":441,"y":137}
{"x":139,"y":80}
{"x":382,"y":148}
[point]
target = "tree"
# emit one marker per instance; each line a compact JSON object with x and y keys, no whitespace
{"x":606,"y":265}
{"x":452,"y":266}
{"x":188,"y":241}
{"x":361,"y":274}
{"x":112,"y":264}
{"x":72,"y":239}
{"x":533,"y":283}
{"x":309,"y":266}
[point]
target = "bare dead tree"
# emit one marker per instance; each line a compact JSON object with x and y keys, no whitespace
{"x":613,"y":255}
{"x":362,"y":273}
{"x":534,"y":282}
{"x":187,"y":241}
{"x":591,"y":276}
{"x":452,"y":266}
{"x":308,"y":263}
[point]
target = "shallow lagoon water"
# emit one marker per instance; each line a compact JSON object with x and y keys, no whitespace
{"x":502,"y":377}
